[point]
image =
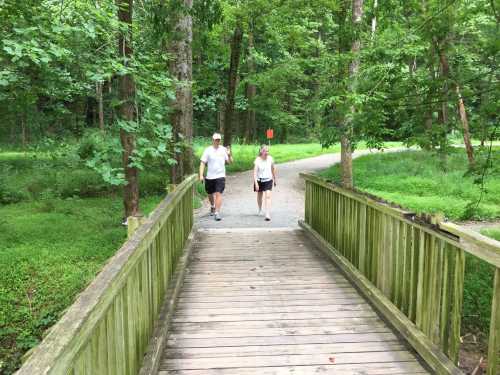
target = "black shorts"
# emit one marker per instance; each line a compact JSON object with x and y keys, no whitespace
{"x":216,"y":185}
{"x":264,"y":185}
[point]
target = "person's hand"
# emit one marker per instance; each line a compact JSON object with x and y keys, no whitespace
{"x":274,"y":183}
{"x":228,"y":148}
{"x":256,"y":184}
{"x":202,"y":179}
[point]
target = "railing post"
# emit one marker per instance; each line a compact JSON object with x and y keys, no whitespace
{"x":494,"y":342}
{"x":134,"y":222}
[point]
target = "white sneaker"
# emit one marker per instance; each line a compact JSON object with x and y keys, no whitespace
{"x":212,"y":211}
{"x":217,"y":217}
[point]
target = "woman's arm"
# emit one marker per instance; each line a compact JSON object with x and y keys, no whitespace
{"x":273,"y":169}
{"x":255,"y":182}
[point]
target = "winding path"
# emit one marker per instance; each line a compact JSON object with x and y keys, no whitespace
{"x":239,"y":209}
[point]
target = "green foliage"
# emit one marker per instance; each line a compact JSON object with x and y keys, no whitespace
{"x":44,"y":267}
{"x":39,"y":176}
{"x":417,"y":181}
{"x":244,"y":155}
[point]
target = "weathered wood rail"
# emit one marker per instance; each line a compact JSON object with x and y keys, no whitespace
{"x":412,"y":272}
{"x":108,"y":328}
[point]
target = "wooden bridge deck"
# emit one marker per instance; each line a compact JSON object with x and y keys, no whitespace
{"x":267,"y":302}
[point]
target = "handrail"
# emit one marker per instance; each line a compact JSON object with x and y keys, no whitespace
{"x":417,"y":267}
{"x":107,"y":329}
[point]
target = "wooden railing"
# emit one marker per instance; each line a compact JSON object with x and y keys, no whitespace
{"x":411,"y":270}
{"x":107,"y":330}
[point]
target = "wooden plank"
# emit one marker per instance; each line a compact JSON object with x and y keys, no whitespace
{"x":313,"y":298}
{"x":365,"y":369}
{"x":273,"y":303}
{"x":341,"y":321}
{"x":430,"y":352}
{"x":266,"y":287}
{"x":271,"y":310}
{"x":273,"y":316}
{"x":286,"y":360}
{"x":483,"y":247}
{"x":237,"y":351}
{"x":290,"y":331}
{"x":282,"y":340}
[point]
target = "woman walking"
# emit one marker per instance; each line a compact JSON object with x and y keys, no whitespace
{"x":264,"y":176}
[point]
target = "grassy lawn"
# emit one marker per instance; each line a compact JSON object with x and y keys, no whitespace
{"x":244,"y":155}
{"x":416,"y":181}
{"x":492,"y":232}
{"x":50,"y":251}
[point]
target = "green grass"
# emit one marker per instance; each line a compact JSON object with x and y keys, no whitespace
{"x":492,"y":232}
{"x":50,"y":251}
{"x":417,"y":181}
{"x":244,"y":155}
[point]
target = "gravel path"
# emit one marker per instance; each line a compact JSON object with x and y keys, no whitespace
{"x":239,"y":207}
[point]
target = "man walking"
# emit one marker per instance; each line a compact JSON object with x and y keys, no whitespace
{"x":215,"y":158}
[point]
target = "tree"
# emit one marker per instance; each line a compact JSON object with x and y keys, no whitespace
{"x":346,"y":137}
{"x":127,"y":113}
{"x":182,"y":106}
{"x":232,"y":82}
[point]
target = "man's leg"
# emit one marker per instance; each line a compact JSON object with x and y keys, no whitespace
{"x":218,"y":201}
{"x":211,"y":198}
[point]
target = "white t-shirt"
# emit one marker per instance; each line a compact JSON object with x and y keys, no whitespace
{"x":264,"y":168}
{"x":215,"y":159}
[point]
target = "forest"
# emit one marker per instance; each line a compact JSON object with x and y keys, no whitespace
{"x":105,"y":103}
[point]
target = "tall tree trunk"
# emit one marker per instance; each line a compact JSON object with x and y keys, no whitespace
{"x":374,"y":19}
{"x":251,"y":91}
{"x":346,"y":137}
{"x":182,"y":107}
{"x":232,"y":82}
{"x":100,"y":105}
{"x":465,"y":125}
{"x":126,"y":94}
{"x":443,"y":116}
{"x":221,"y":116}
{"x":445,"y":67}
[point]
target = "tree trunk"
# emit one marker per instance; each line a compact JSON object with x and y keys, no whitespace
{"x":221,"y":116}
{"x":126,"y":94}
{"x":465,"y":124}
{"x":182,"y":107}
{"x":232,"y":82}
{"x":100,"y":105}
{"x":251,"y":91}
{"x":346,"y":137}
{"x":374,"y":19}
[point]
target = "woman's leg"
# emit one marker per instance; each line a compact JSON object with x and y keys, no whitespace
{"x":259,"y":200}
{"x":267,"y":204}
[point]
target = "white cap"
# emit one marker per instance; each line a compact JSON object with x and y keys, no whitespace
{"x":216,"y":136}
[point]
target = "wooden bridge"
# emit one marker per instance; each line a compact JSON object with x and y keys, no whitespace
{"x":360,"y":288}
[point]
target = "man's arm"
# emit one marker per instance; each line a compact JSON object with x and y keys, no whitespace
{"x":202,"y":171}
